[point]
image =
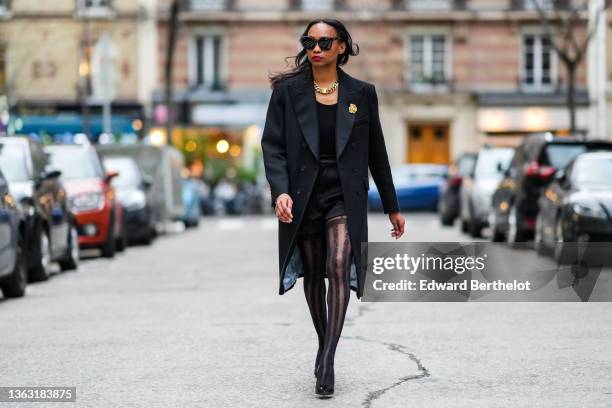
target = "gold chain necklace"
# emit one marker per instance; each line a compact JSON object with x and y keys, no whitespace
{"x":329,"y":90}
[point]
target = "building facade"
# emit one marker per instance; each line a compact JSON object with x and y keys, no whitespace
{"x":61,"y":60}
{"x":451,"y":74}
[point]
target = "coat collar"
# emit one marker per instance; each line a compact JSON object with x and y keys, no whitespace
{"x":350,"y":91}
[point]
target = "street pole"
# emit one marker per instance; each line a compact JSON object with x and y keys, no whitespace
{"x":168,"y":68}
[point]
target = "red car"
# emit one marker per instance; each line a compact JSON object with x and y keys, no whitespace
{"x":91,"y":197}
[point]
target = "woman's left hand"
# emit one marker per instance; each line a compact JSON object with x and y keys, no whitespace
{"x":398,"y":221}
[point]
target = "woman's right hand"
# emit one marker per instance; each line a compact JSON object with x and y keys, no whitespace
{"x":283,"y":208}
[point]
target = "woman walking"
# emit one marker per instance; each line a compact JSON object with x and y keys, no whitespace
{"x":322,"y":132}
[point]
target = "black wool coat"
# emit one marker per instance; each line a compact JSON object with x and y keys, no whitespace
{"x":290,"y":147}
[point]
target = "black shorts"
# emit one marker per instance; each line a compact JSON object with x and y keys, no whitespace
{"x":326,"y":200}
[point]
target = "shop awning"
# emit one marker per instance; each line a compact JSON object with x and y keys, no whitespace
{"x":72,"y":123}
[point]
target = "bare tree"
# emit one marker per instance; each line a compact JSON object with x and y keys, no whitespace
{"x":562,"y":23}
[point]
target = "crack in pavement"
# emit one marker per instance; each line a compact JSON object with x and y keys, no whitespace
{"x":361,"y":311}
{"x":373,"y":395}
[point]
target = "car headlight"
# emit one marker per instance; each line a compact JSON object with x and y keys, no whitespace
{"x":589,"y":210}
{"x":86,"y":201}
{"x":135,"y":200}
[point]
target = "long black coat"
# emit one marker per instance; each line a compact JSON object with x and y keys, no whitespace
{"x":290,"y":146}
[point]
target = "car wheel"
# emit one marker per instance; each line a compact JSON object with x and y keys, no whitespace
{"x":446,"y":220}
{"x":496,"y":234}
{"x":109,"y":246}
{"x":40,"y":271}
{"x":71,"y":259}
{"x":15,"y":285}
{"x":563,"y":252}
{"x":121,"y":243}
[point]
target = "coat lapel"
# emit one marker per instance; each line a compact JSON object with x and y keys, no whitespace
{"x":304,"y":101}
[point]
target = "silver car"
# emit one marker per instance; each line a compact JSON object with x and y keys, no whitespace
{"x":478,"y":187}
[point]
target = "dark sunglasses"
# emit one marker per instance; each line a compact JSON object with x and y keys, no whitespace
{"x":325,"y":43}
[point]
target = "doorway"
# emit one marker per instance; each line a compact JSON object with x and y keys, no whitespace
{"x":428,"y":143}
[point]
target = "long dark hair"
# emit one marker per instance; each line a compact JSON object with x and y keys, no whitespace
{"x":301,"y":60}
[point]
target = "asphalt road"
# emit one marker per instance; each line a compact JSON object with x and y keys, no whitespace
{"x":195,"y":321}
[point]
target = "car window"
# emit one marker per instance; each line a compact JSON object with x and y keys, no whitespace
{"x":592,"y":173}
{"x":75,"y":163}
{"x":465,"y":165}
{"x":129,"y":175}
{"x":488,"y":159}
{"x":559,"y":155}
{"x":13,"y":162}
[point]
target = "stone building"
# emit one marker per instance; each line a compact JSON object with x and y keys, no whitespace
{"x":451,"y":74}
{"x":52,"y":63}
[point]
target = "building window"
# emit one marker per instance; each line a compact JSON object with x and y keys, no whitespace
{"x":539,"y":63}
{"x":429,"y":60}
{"x":208,"y":4}
{"x":208,"y":61}
{"x":94,"y":8}
{"x":3,"y":6}
{"x":428,"y":4}
{"x":317,"y":4}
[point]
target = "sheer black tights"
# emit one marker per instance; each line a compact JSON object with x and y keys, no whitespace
{"x":330,"y":256}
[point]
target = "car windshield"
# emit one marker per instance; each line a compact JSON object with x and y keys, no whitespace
{"x":466,"y":165}
{"x":74,"y":163}
{"x":13,"y":161}
{"x":559,"y":155}
{"x":415,"y":173}
{"x":488,"y":160}
{"x":593,"y":172}
{"x":129,"y":176}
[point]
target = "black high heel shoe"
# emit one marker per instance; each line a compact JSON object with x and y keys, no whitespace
{"x":325,"y":387}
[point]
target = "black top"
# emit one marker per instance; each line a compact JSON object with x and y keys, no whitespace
{"x":327,"y":129}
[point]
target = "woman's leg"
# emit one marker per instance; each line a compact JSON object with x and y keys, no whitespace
{"x":312,"y":247}
{"x":337,"y":267}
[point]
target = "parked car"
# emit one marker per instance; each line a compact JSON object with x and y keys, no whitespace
{"x":134,"y":193}
{"x":48,"y":225}
{"x":449,"y":203}
{"x":191,"y":203}
{"x":576,"y":206}
{"x":515,"y":201}
{"x":417,"y":186}
{"x":13,"y":271}
{"x":163,"y":166}
{"x":91,"y":197}
{"x":478,"y":186}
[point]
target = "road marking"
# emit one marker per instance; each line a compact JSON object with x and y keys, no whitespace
{"x":230,"y":224}
{"x":269,"y":223}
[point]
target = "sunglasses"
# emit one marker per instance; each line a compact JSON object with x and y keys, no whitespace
{"x":325,"y":43}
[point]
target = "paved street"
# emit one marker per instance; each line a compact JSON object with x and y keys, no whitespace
{"x":195,"y":321}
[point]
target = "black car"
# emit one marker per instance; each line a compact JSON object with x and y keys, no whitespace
{"x":48,"y":226}
{"x":133,"y":191}
{"x":535,"y":162}
{"x":13,"y":272}
{"x":449,"y":203}
{"x":576,"y":206}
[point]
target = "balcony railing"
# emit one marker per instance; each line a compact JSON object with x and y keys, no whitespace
{"x":95,"y":8}
{"x":428,"y":5}
{"x":317,"y":4}
{"x":209,"y":5}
